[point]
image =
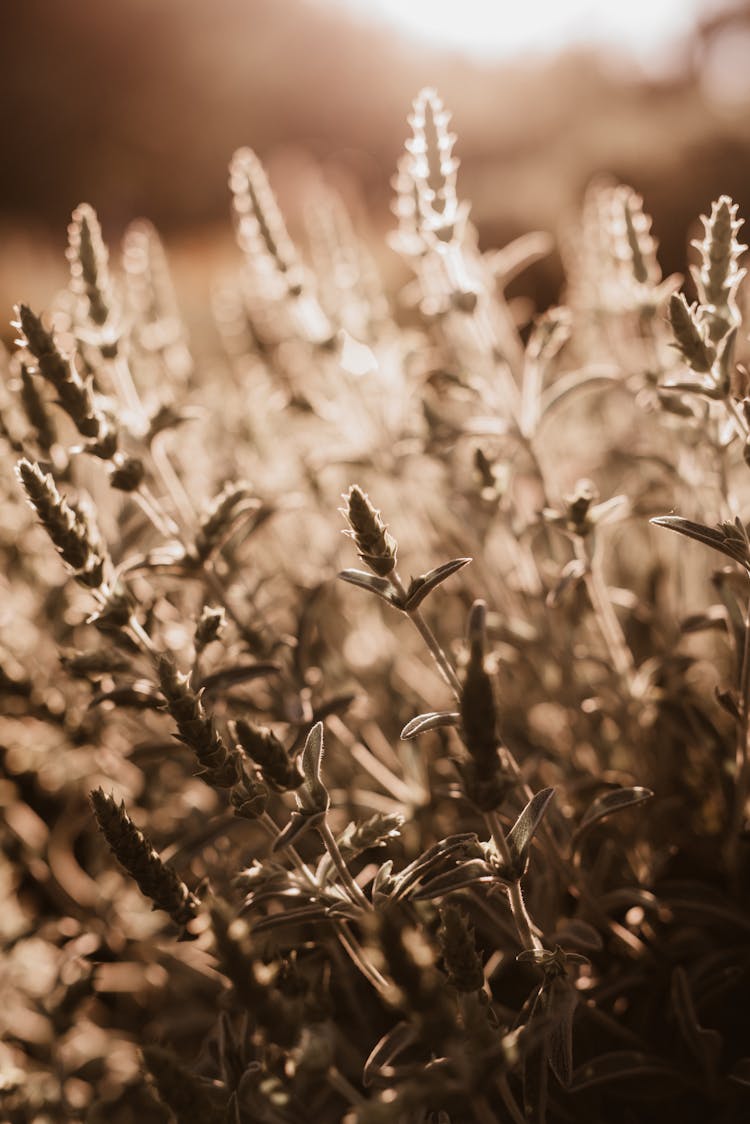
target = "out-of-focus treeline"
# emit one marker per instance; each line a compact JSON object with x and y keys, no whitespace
{"x":137,"y":106}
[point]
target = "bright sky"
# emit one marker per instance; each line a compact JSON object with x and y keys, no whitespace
{"x":499,"y":28}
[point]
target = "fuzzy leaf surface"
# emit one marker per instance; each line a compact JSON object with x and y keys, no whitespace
{"x":521,"y":834}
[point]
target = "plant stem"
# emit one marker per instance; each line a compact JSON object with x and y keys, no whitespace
{"x":610,"y":627}
{"x":348,"y":943}
{"x":523,"y":922}
{"x":443,"y":663}
{"x":354,"y":891}
{"x":142,"y":637}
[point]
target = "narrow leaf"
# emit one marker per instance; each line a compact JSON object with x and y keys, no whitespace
{"x":523,"y":830}
{"x":467,"y":874}
{"x":389,"y":1047}
{"x":729,"y":541}
{"x":298,"y":824}
{"x":240,"y":673}
{"x":420,"y":587}
{"x":578,"y":933}
{"x":534,"y":956}
{"x":139,"y":696}
{"x":373,"y":584}
{"x":620,"y":1065}
{"x":560,"y":1004}
{"x":430,"y":721}
{"x":312,"y":754}
{"x":609,"y":803}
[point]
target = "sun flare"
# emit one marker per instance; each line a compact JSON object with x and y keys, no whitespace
{"x":494,"y":28}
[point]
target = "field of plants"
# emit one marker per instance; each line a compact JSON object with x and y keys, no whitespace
{"x":375,"y":684}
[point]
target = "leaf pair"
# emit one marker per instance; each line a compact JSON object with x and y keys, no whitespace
{"x":419,"y":588}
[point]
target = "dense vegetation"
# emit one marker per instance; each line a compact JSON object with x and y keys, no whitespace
{"x":459,"y":838}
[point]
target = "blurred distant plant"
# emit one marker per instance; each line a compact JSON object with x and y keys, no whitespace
{"x":396,"y":876}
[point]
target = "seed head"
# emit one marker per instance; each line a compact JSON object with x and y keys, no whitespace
{"x":260,"y":226}
{"x":71,"y":530}
{"x":136,"y":854}
{"x":688,"y":335}
{"x":224,"y":513}
{"x":74,"y":394}
{"x":36,"y":410}
{"x":89,"y":271}
{"x":265,"y":749}
{"x":209,"y":627}
{"x":719,"y":275}
{"x":219,"y":767}
{"x":431,"y":169}
{"x":376,"y":547}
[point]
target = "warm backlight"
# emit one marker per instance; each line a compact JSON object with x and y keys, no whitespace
{"x":495,"y":28}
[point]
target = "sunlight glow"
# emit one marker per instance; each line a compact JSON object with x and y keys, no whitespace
{"x":498,"y":28}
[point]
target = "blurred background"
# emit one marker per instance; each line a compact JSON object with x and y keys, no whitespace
{"x":137,"y":106}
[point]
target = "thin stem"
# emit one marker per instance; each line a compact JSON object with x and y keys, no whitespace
{"x":142,"y":637}
{"x":369,"y":971}
{"x":610,"y":627}
{"x":127,"y":392}
{"x":172,"y":483}
{"x":443,"y":663}
{"x":524,"y":924}
{"x":343,"y":1087}
{"x":354,"y":891}
{"x":498,"y":838}
{"x":149,"y":505}
{"x":348,"y":943}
